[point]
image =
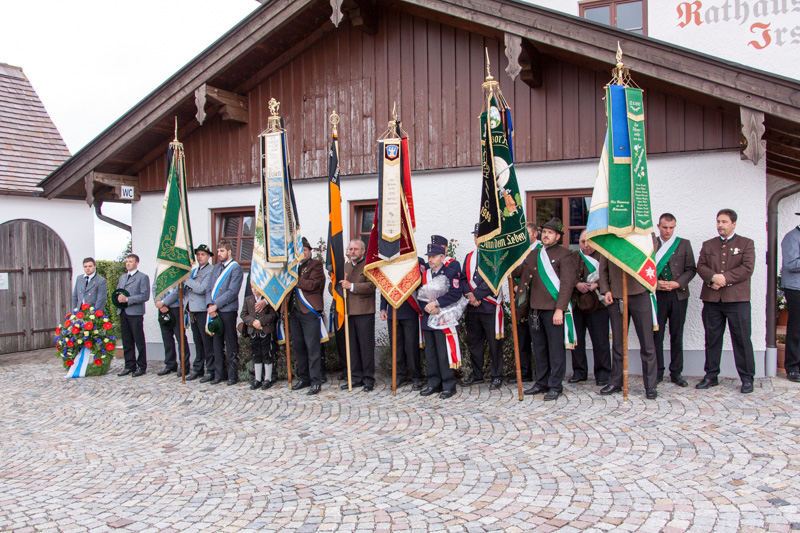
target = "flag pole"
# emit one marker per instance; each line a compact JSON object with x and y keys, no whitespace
{"x":288,"y":342}
{"x":624,"y":336}
{"x":394,"y":352}
{"x":183,"y":335}
{"x":347,"y":341}
{"x":514,"y":333}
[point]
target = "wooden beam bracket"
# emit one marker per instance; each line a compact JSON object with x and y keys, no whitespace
{"x":513,"y":51}
{"x":754,"y":147}
{"x":363,"y":14}
{"x":231,"y":106}
{"x":530,"y":62}
{"x":104,"y":187}
{"x":336,"y":15}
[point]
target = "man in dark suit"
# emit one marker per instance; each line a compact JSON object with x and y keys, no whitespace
{"x":790,"y":283}
{"x":305,"y":314}
{"x":132,"y":317}
{"x":171,"y":333}
{"x":361,"y":317}
{"x":675,"y":268}
{"x":222,"y":299}
{"x":90,"y":288}
{"x":197,"y":286}
{"x":726,"y":265}
{"x":550,"y":266}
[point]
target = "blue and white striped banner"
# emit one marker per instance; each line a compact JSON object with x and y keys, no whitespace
{"x":80,"y":364}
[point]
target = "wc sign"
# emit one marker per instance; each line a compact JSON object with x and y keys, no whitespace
{"x":126,"y":192}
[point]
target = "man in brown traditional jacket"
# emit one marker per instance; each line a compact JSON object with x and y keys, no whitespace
{"x":361,"y":315}
{"x":547,"y":313}
{"x":726,"y":264}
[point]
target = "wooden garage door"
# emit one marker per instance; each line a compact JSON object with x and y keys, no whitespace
{"x":35,"y":291}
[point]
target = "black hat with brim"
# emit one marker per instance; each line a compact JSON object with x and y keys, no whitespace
{"x":115,"y":294}
{"x":166,"y":319}
{"x":555,"y":225}
{"x":203,"y":248}
{"x":214,"y":326}
{"x":436,"y":249}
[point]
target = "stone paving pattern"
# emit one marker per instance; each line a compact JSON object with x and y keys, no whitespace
{"x":150,"y":454}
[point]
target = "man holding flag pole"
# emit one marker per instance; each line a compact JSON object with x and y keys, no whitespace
{"x":175,"y":255}
{"x":620,"y":227}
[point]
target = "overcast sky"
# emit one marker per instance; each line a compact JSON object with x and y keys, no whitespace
{"x":90,"y":61}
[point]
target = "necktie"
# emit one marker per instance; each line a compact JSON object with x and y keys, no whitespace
{"x":86,"y":278}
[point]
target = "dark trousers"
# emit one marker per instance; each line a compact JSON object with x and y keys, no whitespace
{"x":436,"y":361}
{"x":226,"y":345}
{"x":203,"y":345}
{"x":549,"y":351}
{"x":525,"y":351}
{"x":133,"y":335}
{"x":640,"y":310}
{"x":409,"y":362}
{"x":480,"y":329}
{"x":171,"y":336}
{"x":304,"y":328}
{"x":673,"y":309}
{"x":362,"y":348}
{"x":597,"y":324}
{"x":261,"y":348}
{"x":792,"y":363}
{"x":737,"y":316}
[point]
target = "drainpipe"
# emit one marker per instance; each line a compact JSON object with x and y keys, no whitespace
{"x":98,"y":206}
{"x":771,"y":361}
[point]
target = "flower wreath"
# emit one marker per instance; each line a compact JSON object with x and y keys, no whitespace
{"x":87,"y":328}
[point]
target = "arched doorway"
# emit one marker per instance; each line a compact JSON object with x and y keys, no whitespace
{"x":35,"y":285}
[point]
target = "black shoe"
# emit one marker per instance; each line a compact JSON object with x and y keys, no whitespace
{"x":233,"y":381}
{"x":344,"y":386}
{"x":403,"y":381}
{"x":497,"y":384}
{"x":651,"y":394}
{"x":602,"y":382}
{"x":139,"y":372}
{"x":267,"y":384}
{"x":418,"y":384}
{"x":447,"y":394}
{"x":660,"y":378}
{"x":167,"y":371}
{"x":747,"y":387}
{"x":576,"y":379}
{"x":793,"y":376}
{"x":207,"y":378}
{"x":301,"y":385}
{"x":679,"y":381}
{"x":125,"y":372}
{"x":471,"y":381}
{"x":216,"y":381}
{"x":368,"y":388}
{"x":314,"y":389}
{"x":609,"y":389}
{"x":193,"y":376}
{"x":536,"y":389}
{"x":527,"y":379}
{"x":343,"y":376}
{"x":430,"y":390}
{"x":551,"y":395}
{"x":706,"y":383}
{"x":255,"y":385}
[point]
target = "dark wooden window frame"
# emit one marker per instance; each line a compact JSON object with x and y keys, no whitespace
{"x":565,"y":195}
{"x":612,"y":4}
{"x":355,"y":206}
{"x":216,"y":227}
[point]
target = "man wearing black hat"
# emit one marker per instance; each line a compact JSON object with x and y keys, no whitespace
{"x":790,"y":282}
{"x":169,"y":320}
{"x":442,"y":355}
{"x":550,"y":273}
{"x":196,"y":287}
{"x":305,"y":314}
{"x":222,"y":300}
{"x":133,"y":290}
{"x":483,"y":320}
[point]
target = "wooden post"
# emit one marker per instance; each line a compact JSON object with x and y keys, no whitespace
{"x":183,"y":335}
{"x":394,"y":352}
{"x":624,"y":336}
{"x":513,"y":302}
{"x":347,"y":341}
{"x":288,"y":341}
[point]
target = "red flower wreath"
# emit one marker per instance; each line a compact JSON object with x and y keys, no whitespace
{"x":98,"y":313}
{"x":79,"y":314}
{"x":88,"y":326}
{"x":108,"y":325}
{"x":84,"y":307}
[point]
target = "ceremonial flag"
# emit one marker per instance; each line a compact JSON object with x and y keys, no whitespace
{"x":620,"y":221}
{"x":334,"y":260}
{"x":277,"y":246}
{"x":391,"y":260}
{"x":503,"y":239}
{"x":175,"y":254}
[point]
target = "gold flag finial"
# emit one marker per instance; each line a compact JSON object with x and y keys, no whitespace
{"x":620,"y":74}
{"x":490,"y":83}
{"x":393,"y":123}
{"x":619,"y":56}
{"x":176,"y":129}
{"x":334,"y":120}
{"x":274,"y":121}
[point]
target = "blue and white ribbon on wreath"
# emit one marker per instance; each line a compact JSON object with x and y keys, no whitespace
{"x":80,"y":364}
{"x":222,"y":276}
{"x":323,"y":333}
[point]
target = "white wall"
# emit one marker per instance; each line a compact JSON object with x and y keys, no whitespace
{"x":72,"y":220}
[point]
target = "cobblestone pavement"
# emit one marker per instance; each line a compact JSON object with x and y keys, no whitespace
{"x":150,"y":454}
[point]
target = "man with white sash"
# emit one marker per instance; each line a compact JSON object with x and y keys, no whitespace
{"x":590,"y":313}
{"x":222,"y":299}
{"x":306,"y":323}
{"x":483,"y":320}
{"x":675,"y":268}
{"x":550,"y":274}
{"x":442,"y":351}
{"x":361,"y":315}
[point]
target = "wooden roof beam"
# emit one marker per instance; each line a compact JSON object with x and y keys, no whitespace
{"x":232,"y":106}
